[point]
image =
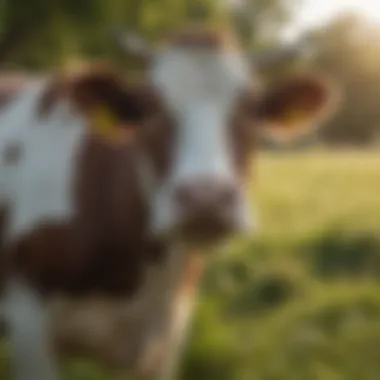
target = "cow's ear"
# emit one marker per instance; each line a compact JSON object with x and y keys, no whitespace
{"x":296,"y":106}
{"x":107,"y":94}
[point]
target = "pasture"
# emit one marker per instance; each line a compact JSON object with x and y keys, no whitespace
{"x":301,"y":300}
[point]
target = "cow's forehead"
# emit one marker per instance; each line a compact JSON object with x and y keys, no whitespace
{"x":185,"y":74}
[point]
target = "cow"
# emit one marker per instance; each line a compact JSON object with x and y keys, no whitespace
{"x":114,"y":194}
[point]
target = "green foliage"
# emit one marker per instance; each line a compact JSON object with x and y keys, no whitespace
{"x":43,"y":33}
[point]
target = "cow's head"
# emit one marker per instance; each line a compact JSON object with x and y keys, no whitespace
{"x":198,"y":113}
{"x":212,"y":107}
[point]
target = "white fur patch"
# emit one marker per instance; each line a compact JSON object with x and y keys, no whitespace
{"x":28,"y":321}
{"x":38,"y":187}
{"x":200,"y":89}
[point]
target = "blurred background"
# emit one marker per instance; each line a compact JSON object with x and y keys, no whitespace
{"x":301,"y":299}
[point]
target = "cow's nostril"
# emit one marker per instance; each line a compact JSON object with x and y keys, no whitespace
{"x":226,"y":197}
{"x":184,"y":196}
{"x":203,"y":197}
{"x":206,"y":208}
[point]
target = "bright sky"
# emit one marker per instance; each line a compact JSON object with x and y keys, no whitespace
{"x":316,"y":12}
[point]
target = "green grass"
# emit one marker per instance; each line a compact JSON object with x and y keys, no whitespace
{"x":307,"y":193}
{"x":301,"y":299}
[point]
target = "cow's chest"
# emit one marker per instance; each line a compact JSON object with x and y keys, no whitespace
{"x":117,"y":332}
{"x":78,"y":218}
{"x":105,"y":331}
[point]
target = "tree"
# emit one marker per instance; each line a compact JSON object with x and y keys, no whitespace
{"x":41,"y":33}
{"x":259,"y":22}
{"x":349,"y":50}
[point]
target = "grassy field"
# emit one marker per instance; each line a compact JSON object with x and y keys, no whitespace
{"x":301,"y":299}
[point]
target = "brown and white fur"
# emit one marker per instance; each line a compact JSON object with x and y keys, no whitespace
{"x":104,"y":235}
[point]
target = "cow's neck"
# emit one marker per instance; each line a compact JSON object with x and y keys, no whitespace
{"x":113,"y":215}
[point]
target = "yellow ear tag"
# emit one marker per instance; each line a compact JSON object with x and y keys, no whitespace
{"x":105,"y":124}
{"x":293,"y":117}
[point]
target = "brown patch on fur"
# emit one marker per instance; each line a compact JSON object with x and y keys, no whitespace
{"x":112,"y":217}
{"x":43,"y":255}
{"x":105,"y":248}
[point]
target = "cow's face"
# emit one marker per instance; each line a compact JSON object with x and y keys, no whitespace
{"x":202,"y":195}
{"x":213,"y":107}
{"x":197,"y":118}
